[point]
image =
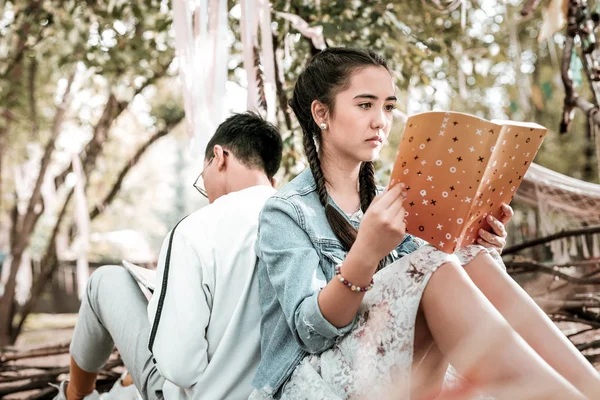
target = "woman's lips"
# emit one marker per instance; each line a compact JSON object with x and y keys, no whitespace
{"x":375,"y":139}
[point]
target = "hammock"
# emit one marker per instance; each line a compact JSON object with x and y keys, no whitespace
{"x":563,"y":203}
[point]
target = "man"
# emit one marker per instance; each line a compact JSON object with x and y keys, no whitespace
{"x":206,"y":341}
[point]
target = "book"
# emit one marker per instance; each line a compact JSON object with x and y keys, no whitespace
{"x":145,"y":277}
{"x":458,"y":169}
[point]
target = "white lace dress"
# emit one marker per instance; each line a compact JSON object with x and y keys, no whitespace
{"x":375,"y":358}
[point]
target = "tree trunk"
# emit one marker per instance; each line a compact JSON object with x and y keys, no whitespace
{"x":23,"y":227}
{"x":7,"y":302}
{"x":50,"y":260}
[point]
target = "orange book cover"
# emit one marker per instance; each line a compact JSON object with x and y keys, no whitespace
{"x":458,"y":169}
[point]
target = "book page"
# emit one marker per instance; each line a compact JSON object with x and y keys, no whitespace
{"x":144,"y":276}
{"x":442,"y":158}
{"x":517,"y":145}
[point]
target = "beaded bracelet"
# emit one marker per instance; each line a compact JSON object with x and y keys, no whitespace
{"x":350,"y":286}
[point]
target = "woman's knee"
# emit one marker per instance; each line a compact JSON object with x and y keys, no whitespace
{"x":484,"y":262}
{"x":477,"y":256}
{"x":444,"y":280}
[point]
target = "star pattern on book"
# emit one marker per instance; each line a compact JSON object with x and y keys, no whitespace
{"x":483,"y":180}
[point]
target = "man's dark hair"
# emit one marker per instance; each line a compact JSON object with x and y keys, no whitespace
{"x":254,"y":141}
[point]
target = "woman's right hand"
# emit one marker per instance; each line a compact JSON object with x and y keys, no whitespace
{"x":383,"y":226}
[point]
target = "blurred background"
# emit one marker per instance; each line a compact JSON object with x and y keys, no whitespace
{"x":105,"y":108}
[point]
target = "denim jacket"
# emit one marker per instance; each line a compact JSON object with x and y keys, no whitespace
{"x":297,"y":254}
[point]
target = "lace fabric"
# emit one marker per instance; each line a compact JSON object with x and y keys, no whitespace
{"x":377,"y":355}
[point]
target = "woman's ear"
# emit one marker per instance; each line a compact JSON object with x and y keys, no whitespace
{"x":320,"y":112}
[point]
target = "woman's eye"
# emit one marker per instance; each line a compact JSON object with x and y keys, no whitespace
{"x":365,"y":106}
{"x":390,"y":107}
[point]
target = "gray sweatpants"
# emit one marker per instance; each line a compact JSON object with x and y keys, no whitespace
{"x":113,"y":312}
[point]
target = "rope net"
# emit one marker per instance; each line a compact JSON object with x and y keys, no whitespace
{"x":562,"y":203}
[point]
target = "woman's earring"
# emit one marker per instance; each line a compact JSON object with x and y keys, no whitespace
{"x":323,"y":126}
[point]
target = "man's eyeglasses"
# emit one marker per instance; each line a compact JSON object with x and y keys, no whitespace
{"x":199,"y":186}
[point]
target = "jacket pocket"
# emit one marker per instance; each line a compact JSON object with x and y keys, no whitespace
{"x":331,"y":254}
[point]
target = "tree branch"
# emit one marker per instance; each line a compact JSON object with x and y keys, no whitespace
{"x":49,"y":263}
{"x":111,"y":112}
{"x":565,"y":68}
{"x":558,"y":304}
{"x":128,"y":166}
{"x":587,"y":108}
{"x":32,"y":99}
{"x":570,"y":318}
{"x":31,"y":215}
{"x":22,"y":46}
{"x":590,"y":345}
{"x":528,"y":266}
{"x":562,"y":234}
{"x":50,"y":259}
{"x":572,"y":335}
{"x":530,"y":7}
{"x":41,"y":352}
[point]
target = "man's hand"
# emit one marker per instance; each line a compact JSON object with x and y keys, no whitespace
{"x":497,"y":238}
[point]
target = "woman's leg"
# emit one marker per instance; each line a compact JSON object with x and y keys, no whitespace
{"x":524,"y":315}
{"x":113,"y":312}
{"x":429,"y":366}
{"x":480,"y":343}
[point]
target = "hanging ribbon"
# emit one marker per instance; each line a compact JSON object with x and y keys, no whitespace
{"x":24,"y":279}
{"x":203,"y":51}
{"x":595,"y":247}
{"x":219,"y":75}
{"x":554,"y":19}
{"x":249,"y":25}
{"x":268,"y":59}
{"x":584,"y":248}
{"x":82,"y":222}
{"x":573,"y":250}
{"x":314,"y":33}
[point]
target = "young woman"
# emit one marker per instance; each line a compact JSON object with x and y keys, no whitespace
{"x":351,"y":313}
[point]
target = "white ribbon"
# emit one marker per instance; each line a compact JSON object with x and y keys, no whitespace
{"x":249,"y":24}
{"x":82,"y":221}
{"x":268,"y":59}
{"x":314,"y":33}
{"x":203,"y":51}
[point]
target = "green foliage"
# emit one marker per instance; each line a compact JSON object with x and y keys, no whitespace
{"x":116,"y":47}
{"x":493,"y":66}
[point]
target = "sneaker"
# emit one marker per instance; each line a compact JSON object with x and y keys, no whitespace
{"x":120,"y":392}
{"x":62,"y":393}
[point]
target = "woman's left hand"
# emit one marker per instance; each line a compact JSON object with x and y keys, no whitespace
{"x":497,"y":238}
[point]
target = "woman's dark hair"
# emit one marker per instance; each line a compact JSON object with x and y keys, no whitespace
{"x":328,"y":73}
